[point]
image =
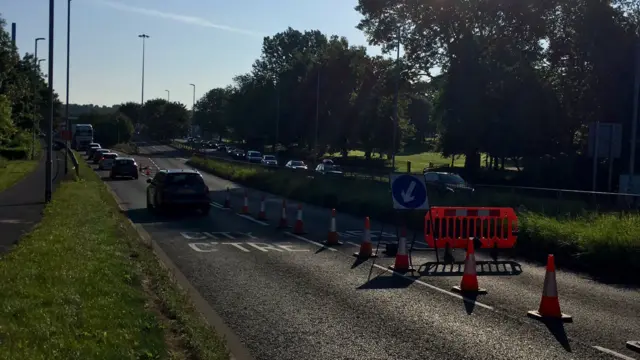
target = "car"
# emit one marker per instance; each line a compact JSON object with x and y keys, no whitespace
{"x":269,"y":160}
{"x":230,"y":150}
{"x":124,"y":167}
{"x":92,"y":148}
{"x":238,"y":154}
{"x":106,"y":162}
{"x":296,"y":165}
{"x":222,"y":148}
{"x":254,"y":156}
{"x":178,"y":188}
{"x":444,"y":182}
{"x":327,"y":169}
{"x":98,"y":154}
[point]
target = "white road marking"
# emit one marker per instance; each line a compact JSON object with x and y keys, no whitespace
{"x":613,"y":353}
{"x":433,"y":287}
{"x":198,"y":247}
{"x":252,"y":219}
{"x":219,"y":206}
{"x":238,"y":246}
{"x":309,"y":241}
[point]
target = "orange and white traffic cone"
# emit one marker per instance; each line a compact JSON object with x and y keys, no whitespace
{"x":262,"y":215}
{"x":332,"y":238}
{"x":283,"y":218}
{"x":245,"y":205}
{"x":366,"y":248}
{"x":402,"y":258}
{"x":549,"y":304}
{"x":148,"y":172}
{"x":469,"y":283}
{"x":298,"y":228}
{"x":227,"y":200}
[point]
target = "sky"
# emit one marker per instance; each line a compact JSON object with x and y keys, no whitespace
{"x":204,"y":42}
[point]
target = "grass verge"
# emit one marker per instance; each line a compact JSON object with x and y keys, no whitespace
{"x":82,"y":285}
{"x":605,"y":246}
{"x":12,"y":171}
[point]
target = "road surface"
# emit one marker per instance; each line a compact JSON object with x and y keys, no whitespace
{"x":287,"y":297}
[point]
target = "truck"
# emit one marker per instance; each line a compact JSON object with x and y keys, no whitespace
{"x":81,"y":136}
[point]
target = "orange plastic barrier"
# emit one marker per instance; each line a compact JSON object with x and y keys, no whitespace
{"x":494,"y":227}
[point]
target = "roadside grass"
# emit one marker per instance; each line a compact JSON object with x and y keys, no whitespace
{"x":82,"y":285}
{"x":126,"y":148}
{"x":12,"y":171}
{"x":604,"y":245}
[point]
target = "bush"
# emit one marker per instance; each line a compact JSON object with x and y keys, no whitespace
{"x":17,"y":153}
{"x":602,"y":245}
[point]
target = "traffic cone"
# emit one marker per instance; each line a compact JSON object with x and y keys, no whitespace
{"x":283,"y":219}
{"x":262,"y":215}
{"x":469,"y":283}
{"x":245,"y":205}
{"x":402,"y":258}
{"x":366,"y":248}
{"x":298,"y":228}
{"x":148,"y":171}
{"x":332,"y":238}
{"x":227,"y":200}
{"x":549,"y":304}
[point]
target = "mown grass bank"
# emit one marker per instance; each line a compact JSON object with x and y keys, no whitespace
{"x":12,"y":171}
{"x":82,"y":285}
{"x":606,"y":246}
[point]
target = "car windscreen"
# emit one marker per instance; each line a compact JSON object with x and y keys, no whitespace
{"x":110,"y":156}
{"x":125,"y":162}
{"x":297,"y":163}
{"x":452,"y":179}
{"x":184,"y":179}
{"x":269,"y":157}
{"x":253,"y":154}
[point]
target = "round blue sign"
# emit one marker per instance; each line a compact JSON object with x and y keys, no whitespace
{"x":409,"y":191}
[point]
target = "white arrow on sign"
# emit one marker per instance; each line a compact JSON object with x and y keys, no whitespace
{"x":408,"y":195}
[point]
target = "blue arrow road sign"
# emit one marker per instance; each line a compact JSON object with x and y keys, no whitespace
{"x":409,"y":192}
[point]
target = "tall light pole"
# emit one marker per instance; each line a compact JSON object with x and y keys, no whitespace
{"x":168,"y":95}
{"x":317,"y":114}
{"x":35,"y":96}
{"x":395,"y":107}
{"x":66,"y":107}
{"x":193,"y":108}
{"x":49,"y":165}
{"x":143,"y":37}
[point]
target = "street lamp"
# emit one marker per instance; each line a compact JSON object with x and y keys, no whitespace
{"x":35,"y":93}
{"x":35,"y":112}
{"x":193,"y":108}
{"x":395,"y":105}
{"x":49,"y":164}
{"x":143,"y":37}
{"x":168,"y":95}
{"x":66,"y":108}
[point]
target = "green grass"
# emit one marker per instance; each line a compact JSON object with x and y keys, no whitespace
{"x":606,"y":246}
{"x":82,"y":285}
{"x":14,"y":170}
{"x":126,"y":148}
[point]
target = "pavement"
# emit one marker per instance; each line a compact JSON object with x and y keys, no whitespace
{"x":289,"y":297}
{"x":22,"y":204}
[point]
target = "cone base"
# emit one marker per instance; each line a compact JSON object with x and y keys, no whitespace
{"x":535,"y":314}
{"x":458,"y":290}
{"x":373,"y":255}
{"x":403,"y":270}
{"x":634,"y":346}
{"x":333,"y":243}
{"x":244,"y":213}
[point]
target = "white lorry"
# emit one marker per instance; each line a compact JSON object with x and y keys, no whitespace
{"x":81,"y":136}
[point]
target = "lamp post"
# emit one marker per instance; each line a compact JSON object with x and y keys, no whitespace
{"x":395,"y":105}
{"x":35,"y":96}
{"x":143,"y":37}
{"x":168,"y":95}
{"x":49,"y":164}
{"x":66,"y":107}
{"x":193,"y":108}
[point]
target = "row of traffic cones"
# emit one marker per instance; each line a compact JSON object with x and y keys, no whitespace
{"x":549,"y":304}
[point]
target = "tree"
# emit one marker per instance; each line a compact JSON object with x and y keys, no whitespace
{"x":165,"y":120}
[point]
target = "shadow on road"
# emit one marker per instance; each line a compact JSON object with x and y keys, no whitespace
{"x":556,"y":328}
{"x":391,"y":281}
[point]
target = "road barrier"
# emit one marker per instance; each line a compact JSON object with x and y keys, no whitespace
{"x":549,"y":303}
{"x":452,"y":227}
{"x":469,"y":282}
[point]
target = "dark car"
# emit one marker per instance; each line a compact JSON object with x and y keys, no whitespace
{"x":97,"y":155}
{"x":179,"y":188}
{"x":124,"y":167}
{"x":92,"y":148}
{"x":444,"y":182}
{"x":328,"y":169}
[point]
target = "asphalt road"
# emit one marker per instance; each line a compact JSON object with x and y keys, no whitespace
{"x":288,"y":297}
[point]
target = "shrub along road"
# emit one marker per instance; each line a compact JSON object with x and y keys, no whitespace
{"x":317,"y":304}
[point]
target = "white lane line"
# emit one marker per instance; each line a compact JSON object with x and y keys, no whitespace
{"x":433,"y":287}
{"x":219,"y":206}
{"x":309,"y":241}
{"x":252,"y":219}
{"x":613,"y":353}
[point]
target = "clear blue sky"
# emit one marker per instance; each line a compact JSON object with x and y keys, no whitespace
{"x":205,"y":42}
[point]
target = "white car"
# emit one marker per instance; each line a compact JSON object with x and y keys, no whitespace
{"x":254,"y":156}
{"x":106,"y":163}
{"x":296,"y":165}
{"x":269,"y":160}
